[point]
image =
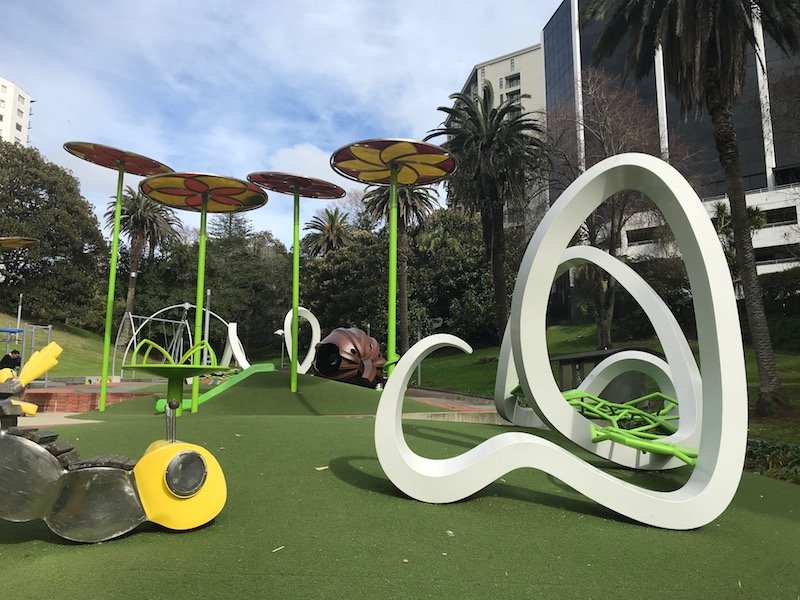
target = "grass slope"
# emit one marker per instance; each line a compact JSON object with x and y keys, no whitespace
{"x":267,"y":393}
{"x":290,"y":530}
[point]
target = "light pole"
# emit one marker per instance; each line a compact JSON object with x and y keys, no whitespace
{"x":281,"y":333}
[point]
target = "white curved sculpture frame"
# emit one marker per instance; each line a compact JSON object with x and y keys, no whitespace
{"x":316,"y":336}
{"x":722,"y":395}
{"x":685,"y":386}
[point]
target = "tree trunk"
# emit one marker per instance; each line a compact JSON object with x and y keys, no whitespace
{"x":402,"y":286}
{"x":771,"y":396}
{"x":494,"y":243}
{"x":137,"y":250}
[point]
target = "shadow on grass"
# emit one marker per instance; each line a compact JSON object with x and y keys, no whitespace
{"x":344,"y":469}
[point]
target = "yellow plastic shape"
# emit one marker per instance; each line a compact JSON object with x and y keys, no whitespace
{"x":29,"y":408}
{"x":6,"y":374}
{"x":161,"y":505}
{"x":39,"y":363}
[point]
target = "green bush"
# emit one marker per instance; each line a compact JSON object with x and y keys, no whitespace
{"x":773,"y":459}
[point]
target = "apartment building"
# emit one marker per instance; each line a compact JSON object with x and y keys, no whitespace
{"x":15,"y":112}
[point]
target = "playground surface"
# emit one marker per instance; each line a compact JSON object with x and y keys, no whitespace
{"x":310,"y":514}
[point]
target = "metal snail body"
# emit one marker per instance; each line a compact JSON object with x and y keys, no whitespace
{"x":176,"y":485}
{"x":351,"y":356}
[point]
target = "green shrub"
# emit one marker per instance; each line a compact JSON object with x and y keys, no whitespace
{"x":773,"y":459}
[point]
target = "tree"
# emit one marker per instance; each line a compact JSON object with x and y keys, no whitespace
{"x":497,"y":150}
{"x":706,"y":45}
{"x":722,"y":223}
{"x":414,"y":204}
{"x":453,"y":280}
{"x":61,"y":275}
{"x":230,"y":225}
{"x":329,"y":231}
{"x":146,"y":223}
{"x":347,"y":288}
{"x":615,"y":120}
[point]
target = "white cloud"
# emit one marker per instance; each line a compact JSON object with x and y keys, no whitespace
{"x":232,"y":88}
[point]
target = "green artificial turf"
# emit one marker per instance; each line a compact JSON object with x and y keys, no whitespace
{"x":310,"y":514}
{"x":267,"y":393}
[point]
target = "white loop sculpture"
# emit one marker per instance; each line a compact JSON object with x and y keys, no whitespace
{"x":316,"y":336}
{"x":721,"y":397}
{"x":685,"y":386}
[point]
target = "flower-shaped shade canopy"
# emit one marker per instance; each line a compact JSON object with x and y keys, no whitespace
{"x":106,"y":156}
{"x":16,"y":242}
{"x":187,"y":191}
{"x":370,"y":161}
{"x":286,"y":183}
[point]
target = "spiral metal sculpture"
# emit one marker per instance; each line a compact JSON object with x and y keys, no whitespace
{"x":713,"y":401}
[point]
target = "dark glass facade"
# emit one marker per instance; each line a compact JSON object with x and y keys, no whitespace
{"x":695,"y":130}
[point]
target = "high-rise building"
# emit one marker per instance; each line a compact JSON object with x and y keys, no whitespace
{"x":769,"y":139}
{"x":15,"y":112}
{"x":514,"y":75}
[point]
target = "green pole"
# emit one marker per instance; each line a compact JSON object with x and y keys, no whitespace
{"x":112,"y":282}
{"x":391,"y":353}
{"x":295,"y":289}
{"x":198,"y":315}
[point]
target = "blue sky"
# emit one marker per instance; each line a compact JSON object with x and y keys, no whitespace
{"x":236,"y":87}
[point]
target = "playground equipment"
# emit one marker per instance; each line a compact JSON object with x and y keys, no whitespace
{"x":389,"y":162}
{"x":175,"y":484}
{"x":308,"y":187}
{"x":316,"y":334}
{"x":351,"y":356}
{"x":175,"y":334}
{"x":123,"y":162}
{"x":203,"y":193}
{"x":713,"y":408}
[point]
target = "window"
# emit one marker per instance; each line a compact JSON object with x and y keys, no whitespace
{"x":501,"y":98}
{"x":645,"y":235}
{"x":3,"y":88}
{"x":781,"y":216}
{"x":783,"y":175}
{"x":513,"y":80}
{"x":1,"y":118}
{"x":2,"y":103}
{"x":512,"y":64}
{"x":19,"y":126}
{"x":777,"y":254}
{"x":20,"y":114}
{"x":21,"y":99}
{"x":513,"y":95}
{"x":501,"y":83}
{"x":483,"y":73}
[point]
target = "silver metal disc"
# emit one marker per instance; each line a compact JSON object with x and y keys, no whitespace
{"x":96,"y":504}
{"x":30,"y":479}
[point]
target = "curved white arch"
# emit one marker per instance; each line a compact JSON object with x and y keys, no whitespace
{"x":723,"y":429}
{"x":186,"y":306}
{"x":234,"y":349}
{"x":683,"y":381}
{"x":316,"y":336}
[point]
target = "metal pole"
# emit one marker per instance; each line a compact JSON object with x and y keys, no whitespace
{"x":19,"y":317}
{"x":112,"y":281}
{"x":198,"y":315}
{"x":419,"y":366}
{"x":207,"y":324}
{"x":295,"y":291}
{"x":391,"y":353}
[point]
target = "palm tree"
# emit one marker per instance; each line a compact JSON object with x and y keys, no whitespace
{"x":414,"y":204}
{"x":329,"y":231}
{"x":497,"y":149}
{"x":146,"y":223}
{"x":706,"y":45}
